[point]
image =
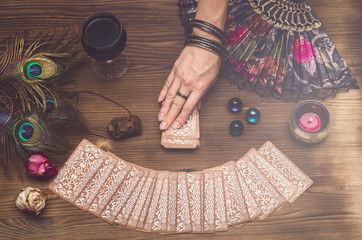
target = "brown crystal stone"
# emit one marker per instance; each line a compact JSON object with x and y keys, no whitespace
{"x":124,"y":127}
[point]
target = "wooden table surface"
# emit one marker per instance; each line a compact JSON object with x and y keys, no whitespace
{"x":330,"y":209}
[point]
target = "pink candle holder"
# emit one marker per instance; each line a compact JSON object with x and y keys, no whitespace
{"x":310,"y":121}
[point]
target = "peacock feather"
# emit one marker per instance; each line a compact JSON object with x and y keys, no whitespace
{"x":34,"y":114}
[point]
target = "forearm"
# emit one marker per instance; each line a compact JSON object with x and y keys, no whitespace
{"x":212,"y":11}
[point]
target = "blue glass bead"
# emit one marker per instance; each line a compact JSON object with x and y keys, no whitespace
{"x":235,"y":105}
{"x":236,"y":128}
{"x":253,"y":115}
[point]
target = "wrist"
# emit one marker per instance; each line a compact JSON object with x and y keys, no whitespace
{"x":199,"y":32}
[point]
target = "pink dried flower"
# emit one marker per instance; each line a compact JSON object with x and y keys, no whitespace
{"x":40,"y":167}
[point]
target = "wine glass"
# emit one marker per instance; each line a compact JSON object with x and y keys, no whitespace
{"x":104,"y":39}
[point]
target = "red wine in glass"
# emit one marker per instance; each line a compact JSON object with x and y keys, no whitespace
{"x":104,"y":39}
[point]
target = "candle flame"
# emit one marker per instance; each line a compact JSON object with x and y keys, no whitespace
{"x":310,"y":120}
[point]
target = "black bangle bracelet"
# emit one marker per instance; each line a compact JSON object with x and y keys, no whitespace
{"x":207,"y":27}
{"x":208,"y":41}
{"x":206,"y":46}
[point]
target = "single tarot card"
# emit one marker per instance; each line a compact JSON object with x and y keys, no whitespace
{"x":263,"y":191}
{"x":95,"y":184}
{"x":160,"y":218}
{"x":78,"y":170}
{"x":110,"y":186}
{"x":209,"y":201}
{"x":220,"y":210}
{"x":286,"y":167}
{"x":142,"y":203}
{"x":183,"y":217}
{"x":154,"y":201}
{"x":194,"y":181}
{"x":128,"y":207}
{"x":172,"y":203}
{"x":254,"y":209}
{"x":122,"y":194}
{"x":190,"y":130}
{"x":285,"y":187}
{"x":236,"y":209}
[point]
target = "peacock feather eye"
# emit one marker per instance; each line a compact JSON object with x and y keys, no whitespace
{"x":39,"y":68}
{"x":28,"y":132}
{"x":33,"y":70}
{"x":49,"y":107}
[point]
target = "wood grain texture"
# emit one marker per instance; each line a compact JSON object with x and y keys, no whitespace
{"x":330,"y":209}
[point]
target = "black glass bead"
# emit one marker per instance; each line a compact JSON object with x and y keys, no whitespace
{"x":236,"y":128}
{"x":235,"y":105}
{"x":253,"y":115}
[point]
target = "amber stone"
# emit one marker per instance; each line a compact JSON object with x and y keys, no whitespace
{"x":124,"y":127}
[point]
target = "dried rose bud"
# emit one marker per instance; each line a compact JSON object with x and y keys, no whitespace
{"x":40,"y":167}
{"x":31,"y":200}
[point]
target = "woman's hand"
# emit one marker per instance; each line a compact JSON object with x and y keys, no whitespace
{"x":192,"y":75}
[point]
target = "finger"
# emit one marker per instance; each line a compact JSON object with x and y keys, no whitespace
{"x":170,"y":96}
{"x":187,"y":109}
{"x":167,"y":85}
{"x":174,"y":110}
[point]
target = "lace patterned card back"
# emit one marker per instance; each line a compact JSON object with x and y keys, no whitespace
{"x":194,"y":181}
{"x":122,"y":194}
{"x":155,"y":201}
{"x":274,"y":156}
{"x":160,"y":218}
{"x":128,"y":207}
{"x":209,"y":204}
{"x":113,"y":181}
{"x":164,"y":202}
{"x":254,"y":209}
{"x":185,"y":137}
{"x":77,"y":171}
{"x":283,"y":185}
{"x":263,"y":192}
{"x":220,"y":211}
{"x":92,"y":188}
{"x":142,"y":203}
{"x":236,"y":209}
{"x":183,"y":218}
{"x":172,"y":203}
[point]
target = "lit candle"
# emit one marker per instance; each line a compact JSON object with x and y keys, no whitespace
{"x":310,"y":122}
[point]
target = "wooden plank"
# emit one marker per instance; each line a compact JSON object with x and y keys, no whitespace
{"x":330,"y":209}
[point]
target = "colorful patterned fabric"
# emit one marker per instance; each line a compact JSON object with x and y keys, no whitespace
{"x":279,"y":48}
